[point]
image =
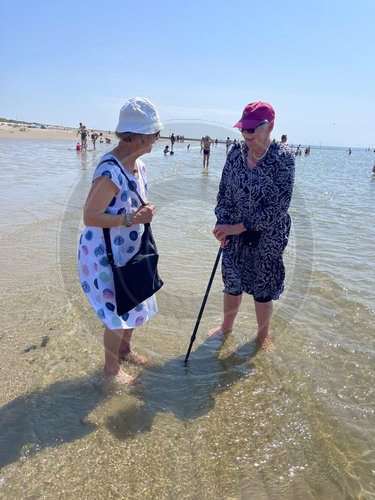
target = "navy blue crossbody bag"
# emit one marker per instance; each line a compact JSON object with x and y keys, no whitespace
{"x":138,"y":279}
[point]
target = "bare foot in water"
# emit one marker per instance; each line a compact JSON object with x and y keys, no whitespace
{"x":218,"y":331}
{"x":122,"y":378}
{"x":266,"y":344}
{"x":132,"y":357}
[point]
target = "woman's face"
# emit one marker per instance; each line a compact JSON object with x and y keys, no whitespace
{"x":148,"y":141}
{"x":260,"y":137}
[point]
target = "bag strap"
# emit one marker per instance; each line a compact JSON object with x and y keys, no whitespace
{"x":108,"y":246}
{"x":107,"y":237}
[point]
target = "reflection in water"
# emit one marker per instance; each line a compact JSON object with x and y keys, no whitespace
{"x":83,"y":156}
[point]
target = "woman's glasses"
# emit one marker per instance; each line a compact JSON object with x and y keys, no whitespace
{"x":252,"y":130}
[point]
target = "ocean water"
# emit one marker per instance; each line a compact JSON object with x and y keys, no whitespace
{"x":239,"y":423}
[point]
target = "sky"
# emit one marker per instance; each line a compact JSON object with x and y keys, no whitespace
{"x":68,"y":62}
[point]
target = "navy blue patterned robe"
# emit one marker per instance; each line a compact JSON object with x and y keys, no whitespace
{"x":259,"y":271}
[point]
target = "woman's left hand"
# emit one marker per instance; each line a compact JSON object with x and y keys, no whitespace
{"x":223,"y":230}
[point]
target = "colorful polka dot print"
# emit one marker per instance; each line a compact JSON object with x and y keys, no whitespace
{"x":94,"y":270}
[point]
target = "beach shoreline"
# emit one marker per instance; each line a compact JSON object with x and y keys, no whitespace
{"x":49,"y":133}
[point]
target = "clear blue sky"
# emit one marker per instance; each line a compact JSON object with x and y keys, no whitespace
{"x":66,"y":62}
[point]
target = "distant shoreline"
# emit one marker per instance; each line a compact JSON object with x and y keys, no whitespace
{"x":51,"y":133}
{"x":48,"y":133}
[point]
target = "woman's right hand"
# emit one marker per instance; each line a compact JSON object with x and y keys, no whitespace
{"x":222,"y":231}
{"x":143,"y":215}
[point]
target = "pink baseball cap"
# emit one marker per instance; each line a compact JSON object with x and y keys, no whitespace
{"x":256,"y":113}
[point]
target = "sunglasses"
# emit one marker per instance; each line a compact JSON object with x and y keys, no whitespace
{"x":252,"y":130}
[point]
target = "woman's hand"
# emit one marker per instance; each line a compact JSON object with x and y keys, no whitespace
{"x":143,"y":215}
{"x":223,"y":230}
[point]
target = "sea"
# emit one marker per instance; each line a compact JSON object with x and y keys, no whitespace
{"x":237,"y":422}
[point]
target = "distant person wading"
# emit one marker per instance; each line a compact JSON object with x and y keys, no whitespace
{"x":207,"y":142}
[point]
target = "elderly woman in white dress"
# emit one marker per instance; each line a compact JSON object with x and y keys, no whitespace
{"x":111,"y":204}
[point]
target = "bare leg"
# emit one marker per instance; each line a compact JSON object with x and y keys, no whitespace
{"x":231,"y":306}
{"x":112,"y":342}
{"x":208,"y":159}
{"x":126,"y":352}
{"x":263,"y":311}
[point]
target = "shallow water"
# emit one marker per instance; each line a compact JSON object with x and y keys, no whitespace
{"x":238,"y":423}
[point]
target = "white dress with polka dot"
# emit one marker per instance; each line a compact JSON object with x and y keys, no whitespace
{"x":94,"y":270}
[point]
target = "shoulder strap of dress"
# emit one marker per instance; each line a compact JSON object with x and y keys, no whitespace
{"x":131,"y":184}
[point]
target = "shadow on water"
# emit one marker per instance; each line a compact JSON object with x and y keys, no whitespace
{"x":187,"y":393}
{"x":49,"y":417}
{"x":56,"y":414}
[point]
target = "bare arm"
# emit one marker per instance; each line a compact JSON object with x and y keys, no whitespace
{"x":101,"y":194}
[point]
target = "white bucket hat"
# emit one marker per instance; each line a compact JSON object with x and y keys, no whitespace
{"x":140,"y":116}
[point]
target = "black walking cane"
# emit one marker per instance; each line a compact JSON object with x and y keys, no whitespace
{"x":203,"y":305}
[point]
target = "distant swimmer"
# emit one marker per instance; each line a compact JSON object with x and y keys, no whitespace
{"x":78,"y":146}
{"x":201,"y":144}
{"x":166,"y":150}
{"x":350,"y":151}
{"x":307,"y":151}
{"x":173,"y":140}
{"x":284,"y":138}
{"x":207,"y":141}
{"x":94,"y":137}
{"x":79,"y":131}
{"x":227,"y":144}
{"x":83,"y":132}
{"x":188,"y":147}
